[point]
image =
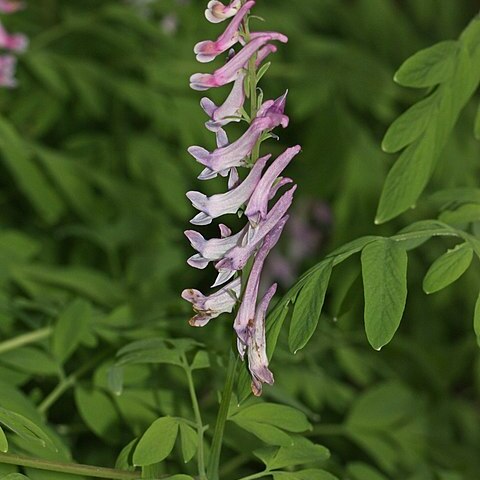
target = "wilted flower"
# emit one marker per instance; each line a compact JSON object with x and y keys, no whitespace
{"x":249,"y":197}
{"x":7,"y":71}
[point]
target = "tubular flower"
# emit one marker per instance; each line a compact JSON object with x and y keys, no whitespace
{"x":16,"y":42}
{"x":217,"y":12}
{"x":249,"y":195}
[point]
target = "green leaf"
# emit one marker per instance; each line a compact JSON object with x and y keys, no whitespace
{"x":464,"y":214}
{"x":430,"y":66}
{"x":448,"y":268}
{"x":3,"y":441}
{"x":281,"y":416}
{"x":31,"y":360}
{"x":408,"y":177}
{"x":309,"y":474}
{"x":308,"y":306}
{"x":98,"y":411}
{"x":25,"y":428}
{"x":200,"y":361}
{"x":189,"y":441}
{"x":26,"y":173}
{"x":301,"y":452}
{"x":384,"y":272}
{"x":72,"y":325}
{"x":90,"y":283}
{"x":269,"y":434}
{"x":157,"y":442}
{"x":409,"y":126}
{"x":382,"y":407}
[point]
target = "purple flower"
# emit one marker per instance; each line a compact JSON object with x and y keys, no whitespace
{"x":213,"y":249}
{"x":229,"y":73}
{"x":206,"y":308}
{"x":7,"y":6}
{"x":7,"y":71}
{"x":16,"y":42}
{"x":229,"y":202}
{"x":217,"y":12}
{"x":256,"y":345}
{"x":236,"y":258}
{"x":222,"y":159}
{"x":207,"y":51}
{"x":258,"y":204}
{"x":246,"y":312}
{"x":230,"y":110}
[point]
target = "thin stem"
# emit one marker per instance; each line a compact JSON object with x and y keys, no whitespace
{"x":214,"y":463}
{"x":67,"y":382}
{"x":200,"y":429}
{"x":73,"y":468}
{"x":257,"y":475}
{"x":27,"y":338}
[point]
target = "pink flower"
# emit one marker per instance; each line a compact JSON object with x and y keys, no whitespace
{"x":7,"y":71}
{"x":229,"y":202}
{"x":222,"y":159}
{"x":16,"y":42}
{"x":217,"y":12}
{"x":230,"y":110}
{"x":207,"y":51}
{"x":206,"y":308}
{"x":7,"y":6}
{"x":258,"y":203}
{"x":256,"y":346}
{"x":246,"y":312}
{"x":236,"y":258}
{"x":213,"y":249}
{"x":231,"y":70}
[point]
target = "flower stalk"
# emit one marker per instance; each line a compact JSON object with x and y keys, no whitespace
{"x":256,"y":196}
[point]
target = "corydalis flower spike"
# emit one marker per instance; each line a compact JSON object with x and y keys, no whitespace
{"x":207,"y":51}
{"x":217,"y":12}
{"x":231,"y":70}
{"x":263,"y":228}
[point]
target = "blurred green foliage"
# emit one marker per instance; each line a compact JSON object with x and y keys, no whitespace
{"x":92,"y":255}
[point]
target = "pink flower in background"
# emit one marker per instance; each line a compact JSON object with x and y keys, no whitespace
{"x":16,"y":42}
{"x":249,"y":195}
{"x":10,"y":6}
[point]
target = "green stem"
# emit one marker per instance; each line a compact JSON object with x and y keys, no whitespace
{"x":214,"y":463}
{"x":68,"y":382}
{"x":73,"y":468}
{"x":27,"y":338}
{"x":257,"y":475}
{"x":200,"y":430}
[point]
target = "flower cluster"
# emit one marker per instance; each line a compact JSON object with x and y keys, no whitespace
{"x":239,"y":258}
{"x":11,"y":43}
